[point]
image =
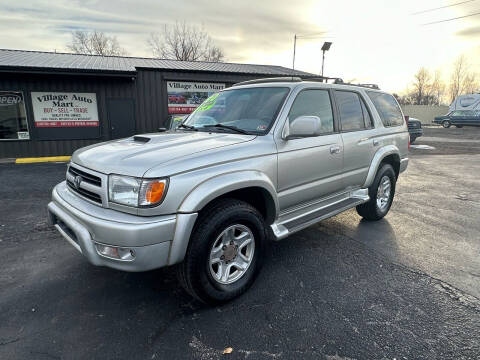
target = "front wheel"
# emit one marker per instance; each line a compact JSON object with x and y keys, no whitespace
{"x":225,"y":252}
{"x":381,"y":194}
{"x":446,"y":124}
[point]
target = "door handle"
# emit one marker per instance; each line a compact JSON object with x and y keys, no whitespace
{"x":375,"y":142}
{"x":334,"y":149}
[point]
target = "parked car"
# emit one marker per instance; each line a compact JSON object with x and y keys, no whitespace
{"x":459,"y":118}
{"x":414,"y":129}
{"x":282,"y":155}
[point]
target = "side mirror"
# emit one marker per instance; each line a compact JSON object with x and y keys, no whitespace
{"x":303,"y":126}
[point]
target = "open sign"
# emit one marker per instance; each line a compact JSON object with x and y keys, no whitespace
{"x":10,"y":98}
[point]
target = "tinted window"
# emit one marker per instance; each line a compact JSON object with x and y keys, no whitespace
{"x":387,"y":108}
{"x":464,"y":113}
{"x":350,"y":108}
{"x":313,"y":103}
{"x":366,"y":116}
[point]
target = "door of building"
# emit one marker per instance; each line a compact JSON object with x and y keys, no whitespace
{"x":121,"y":117}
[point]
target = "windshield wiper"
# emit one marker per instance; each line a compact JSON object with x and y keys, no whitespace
{"x":222,"y":126}
{"x":189,"y":127}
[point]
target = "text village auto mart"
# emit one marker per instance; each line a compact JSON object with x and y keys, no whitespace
{"x":52,"y":103}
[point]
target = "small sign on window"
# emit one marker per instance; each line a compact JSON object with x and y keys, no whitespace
{"x":23,"y":135}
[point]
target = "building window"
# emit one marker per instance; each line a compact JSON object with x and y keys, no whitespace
{"x":13,"y":118}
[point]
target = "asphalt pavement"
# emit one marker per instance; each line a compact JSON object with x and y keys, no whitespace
{"x":406,"y":287}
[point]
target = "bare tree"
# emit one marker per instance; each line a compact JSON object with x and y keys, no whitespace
{"x":181,"y":41}
{"x":438,"y":88}
{"x":95,"y":43}
{"x":457,"y":79}
{"x":470,"y":83}
{"x":422,"y":87}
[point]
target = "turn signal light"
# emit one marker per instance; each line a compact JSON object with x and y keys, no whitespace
{"x":152,"y":192}
{"x":155,"y":191}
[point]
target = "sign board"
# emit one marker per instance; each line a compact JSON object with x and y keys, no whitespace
{"x":65,"y":109}
{"x":184,"y":97}
{"x":8,"y":98}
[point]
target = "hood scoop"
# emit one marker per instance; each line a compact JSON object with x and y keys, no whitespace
{"x":141,"y":139}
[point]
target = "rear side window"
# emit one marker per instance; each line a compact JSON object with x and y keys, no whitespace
{"x":350,"y":109}
{"x":387,"y":108}
{"x":313,"y":103}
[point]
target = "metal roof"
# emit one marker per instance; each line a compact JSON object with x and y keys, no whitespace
{"x":22,"y":60}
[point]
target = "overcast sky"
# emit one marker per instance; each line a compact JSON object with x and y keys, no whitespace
{"x":373,"y":41}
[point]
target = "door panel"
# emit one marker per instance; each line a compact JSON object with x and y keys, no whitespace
{"x":309,"y":169}
{"x":360,"y":147}
{"x":358,"y":137}
{"x":121,"y":116}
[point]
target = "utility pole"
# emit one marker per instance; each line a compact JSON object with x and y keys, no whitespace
{"x":294,"y":48}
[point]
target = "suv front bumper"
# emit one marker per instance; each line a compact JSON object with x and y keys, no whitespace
{"x":154,"y":242}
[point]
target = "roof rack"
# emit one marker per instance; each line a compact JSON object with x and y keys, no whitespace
{"x":325,"y":79}
{"x":370,"y":86}
{"x":322,"y":79}
{"x":269,"y":80}
{"x":339,"y":81}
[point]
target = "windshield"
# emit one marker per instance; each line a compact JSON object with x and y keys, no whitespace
{"x":251,"y":110}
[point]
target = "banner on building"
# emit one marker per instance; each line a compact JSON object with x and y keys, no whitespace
{"x":65,"y":109}
{"x":184,"y":97}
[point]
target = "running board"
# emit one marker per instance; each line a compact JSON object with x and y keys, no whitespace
{"x":287,"y":227}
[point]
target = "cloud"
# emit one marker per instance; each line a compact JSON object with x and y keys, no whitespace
{"x":469,"y":32}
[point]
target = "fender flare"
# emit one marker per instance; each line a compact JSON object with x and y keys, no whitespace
{"x":207,"y":191}
{"x":221,"y":184}
{"x":377,"y":159}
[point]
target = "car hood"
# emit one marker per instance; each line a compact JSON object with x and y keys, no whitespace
{"x":136,"y":155}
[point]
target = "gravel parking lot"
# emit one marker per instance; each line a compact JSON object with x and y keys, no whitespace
{"x":406,"y":287}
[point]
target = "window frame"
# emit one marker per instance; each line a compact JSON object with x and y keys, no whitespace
{"x":26,"y":115}
{"x":362,"y":100}
{"x":332,"y":104}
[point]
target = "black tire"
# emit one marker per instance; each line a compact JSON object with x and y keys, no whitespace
{"x":370,"y":210}
{"x":194,"y":272}
{"x":446,"y":124}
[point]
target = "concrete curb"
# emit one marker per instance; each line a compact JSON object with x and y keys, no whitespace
{"x":42,"y":159}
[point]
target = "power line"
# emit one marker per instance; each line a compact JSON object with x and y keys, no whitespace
{"x":322,"y":34}
{"x":441,"y":7}
{"x":455,"y":18}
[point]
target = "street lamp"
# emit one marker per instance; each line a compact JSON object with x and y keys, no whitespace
{"x":325,"y":47}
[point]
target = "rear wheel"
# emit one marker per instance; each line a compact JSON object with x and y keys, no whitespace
{"x":381,"y":194}
{"x":446,"y":124}
{"x":225,"y":252}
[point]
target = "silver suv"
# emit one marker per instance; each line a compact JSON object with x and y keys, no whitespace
{"x":260,"y":160}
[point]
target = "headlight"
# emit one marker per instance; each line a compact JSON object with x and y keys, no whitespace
{"x":136,"y":192}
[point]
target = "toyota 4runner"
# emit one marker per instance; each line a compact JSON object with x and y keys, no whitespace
{"x":260,"y":160}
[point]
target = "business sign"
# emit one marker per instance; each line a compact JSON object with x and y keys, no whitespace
{"x":65,"y":109}
{"x":184,"y":97}
{"x":9,"y":98}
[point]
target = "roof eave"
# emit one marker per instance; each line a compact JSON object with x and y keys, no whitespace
{"x":62,"y":71}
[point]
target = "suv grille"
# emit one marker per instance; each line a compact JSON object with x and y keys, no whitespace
{"x":86,"y":178}
{"x":92,"y":179}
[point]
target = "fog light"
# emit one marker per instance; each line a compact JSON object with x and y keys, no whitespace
{"x":116,"y":253}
